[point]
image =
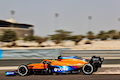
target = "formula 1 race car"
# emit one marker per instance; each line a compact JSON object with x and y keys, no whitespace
{"x":70,"y":64}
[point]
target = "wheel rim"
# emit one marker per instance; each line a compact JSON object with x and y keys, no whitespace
{"x":22,"y":70}
{"x":87,"y":69}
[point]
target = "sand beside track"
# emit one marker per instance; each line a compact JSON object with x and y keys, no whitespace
{"x":96,"y":45}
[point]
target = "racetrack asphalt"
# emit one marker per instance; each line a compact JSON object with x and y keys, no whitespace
{"x":60,"y":77}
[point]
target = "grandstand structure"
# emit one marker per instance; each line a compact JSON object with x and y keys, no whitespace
{"x":21,"y":30}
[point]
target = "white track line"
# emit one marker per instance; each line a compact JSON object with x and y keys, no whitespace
{"x":106,"y":73}
{"x":9,"y":68}
{"x":110,"y":65}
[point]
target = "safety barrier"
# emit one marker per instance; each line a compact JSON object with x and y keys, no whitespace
{"x":89,"y":53}
{"x":53,"y":53}
{"x":31,"y":53}
{"x":0,"y":53}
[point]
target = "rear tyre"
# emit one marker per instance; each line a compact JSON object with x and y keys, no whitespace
{"x":23,"y":70}
{"x":87,"y":69}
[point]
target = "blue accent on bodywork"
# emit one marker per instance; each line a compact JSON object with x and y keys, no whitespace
{"x":0,"y":53}
{"x":9,"y":73}
{"x":71,"y":57}
{"x":62,"y":69}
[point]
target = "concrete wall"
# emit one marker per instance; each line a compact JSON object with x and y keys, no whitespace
{"x":31,"y":53}
{"x":89,"y":53}
{"x":53,"y":53}
{"x":0,"y":53}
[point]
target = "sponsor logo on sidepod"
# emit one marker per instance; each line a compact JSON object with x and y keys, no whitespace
{"x":61,"y":69}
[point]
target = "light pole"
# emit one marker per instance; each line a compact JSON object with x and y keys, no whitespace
{"x":12,"y":13}
{"x":12,"y":17}
{"x":89,"y":23}
{"x":56,"y":20}
{"x":118,"y":23}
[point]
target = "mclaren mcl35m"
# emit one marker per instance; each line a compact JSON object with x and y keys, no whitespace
{"x":70,"y":64}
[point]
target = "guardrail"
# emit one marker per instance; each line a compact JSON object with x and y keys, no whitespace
{"x":53,"y":53}
{"x":0,"y":53}
{"x":30,"y":53}
{"x":89,"y":53}
{"x":25,"y":56}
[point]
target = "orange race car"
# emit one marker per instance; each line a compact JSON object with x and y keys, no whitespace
{"x":70,"y":64}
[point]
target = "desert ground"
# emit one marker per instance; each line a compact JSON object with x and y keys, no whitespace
{"x":96,"y":45}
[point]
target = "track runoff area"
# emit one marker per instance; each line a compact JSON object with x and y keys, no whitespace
{"x":95,"y":76}
{"x":109,"y":66}
{"x":60,"y":77}
{"x":108,"y":71}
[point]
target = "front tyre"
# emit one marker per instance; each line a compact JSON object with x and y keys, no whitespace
{"x":23,"y":70}
{"x":87,"y":69}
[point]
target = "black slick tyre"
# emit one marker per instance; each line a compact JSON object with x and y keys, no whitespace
{"x":23,"y":70}
{"x":87,"y":69}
